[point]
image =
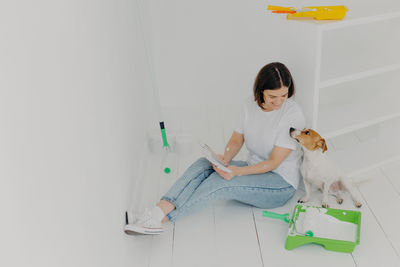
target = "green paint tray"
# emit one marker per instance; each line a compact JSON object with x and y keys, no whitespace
{"x":327,"y":232}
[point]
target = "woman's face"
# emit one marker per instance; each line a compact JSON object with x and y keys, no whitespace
{"x":273,"y":99}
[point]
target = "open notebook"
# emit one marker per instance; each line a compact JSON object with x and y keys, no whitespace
{"x":213,"y":158}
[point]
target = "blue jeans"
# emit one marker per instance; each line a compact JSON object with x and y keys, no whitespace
{"x":200,"y":186}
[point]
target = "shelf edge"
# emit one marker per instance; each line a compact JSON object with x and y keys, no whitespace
{"x":358,"y":126}
{"x":359,"y":75}
{"x":358,"y":21}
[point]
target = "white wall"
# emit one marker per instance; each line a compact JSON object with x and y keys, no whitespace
{"x":74,"y":100}
{"x":206,"y":51}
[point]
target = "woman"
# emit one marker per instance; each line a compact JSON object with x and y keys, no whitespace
{"x":270,"y":176}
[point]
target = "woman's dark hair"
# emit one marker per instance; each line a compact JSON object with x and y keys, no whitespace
{"x":272,"y":77}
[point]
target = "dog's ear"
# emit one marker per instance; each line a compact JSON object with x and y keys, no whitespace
{"x":322,"y":144}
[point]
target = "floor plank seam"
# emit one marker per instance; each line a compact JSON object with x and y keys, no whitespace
{"x":377,"y":221}
{"x":214,"y":233}
{"x":178,"y":165}
{"x":258,"y":239}
{"x":215,"y":227}
{"x":150,"y":240}
{"x":173,"y":245}
{"x":355,"y":263}
{"x":389,"y":180}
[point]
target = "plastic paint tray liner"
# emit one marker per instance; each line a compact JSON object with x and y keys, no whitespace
{"x":335,"y":229}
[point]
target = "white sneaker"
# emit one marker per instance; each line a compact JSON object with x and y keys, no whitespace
{"x":145,"y":224}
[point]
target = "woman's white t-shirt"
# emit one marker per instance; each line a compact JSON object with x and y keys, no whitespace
{"x":263,"y":130}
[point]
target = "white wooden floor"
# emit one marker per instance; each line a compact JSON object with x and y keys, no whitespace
{"x":229,"y":233}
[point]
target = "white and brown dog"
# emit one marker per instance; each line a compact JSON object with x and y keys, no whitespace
{"x":318,"y":170}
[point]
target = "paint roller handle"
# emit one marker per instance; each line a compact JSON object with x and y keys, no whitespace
{"x":274,"y":215}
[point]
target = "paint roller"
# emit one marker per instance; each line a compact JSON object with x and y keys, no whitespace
{"x":166,"y":147}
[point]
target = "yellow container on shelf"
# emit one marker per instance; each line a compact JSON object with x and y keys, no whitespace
{"x":314,"y":12}
{"x":321,"y":13}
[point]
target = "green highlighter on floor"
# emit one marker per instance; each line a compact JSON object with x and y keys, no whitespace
{"x":334,"y":229}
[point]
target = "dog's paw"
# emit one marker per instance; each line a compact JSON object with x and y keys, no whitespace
{"x":325,"y":205}
{"x":302,"y":200}
{"x":339,"y":200}
{"x":357,"y":204}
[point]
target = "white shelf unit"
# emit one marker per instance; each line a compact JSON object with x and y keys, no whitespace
{"x":347,"y":76}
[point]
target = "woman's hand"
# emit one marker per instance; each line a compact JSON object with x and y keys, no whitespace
{"x":221,"y":157}
{"x":227,"y":175}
